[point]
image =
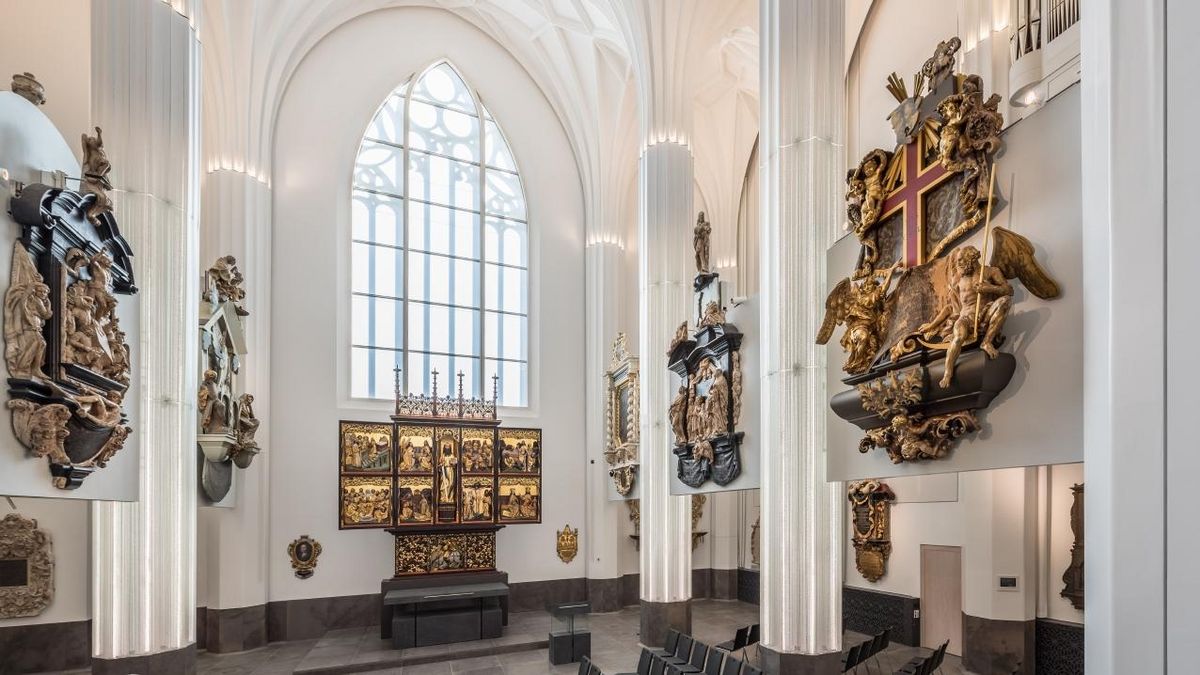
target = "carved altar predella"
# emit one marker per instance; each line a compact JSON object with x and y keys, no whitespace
{"x":923,"y":312}
{"x":67,"y":355}
{"x":706,"y":409}
{"x":623,"y":418}
{"x":870,"y":516}
{"x":442,"y":476}
{"x":226,"y":419}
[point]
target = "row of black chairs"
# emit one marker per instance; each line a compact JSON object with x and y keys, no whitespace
{"x":683,"y":655}
{"x":867,"y":649}
{"x":744,"y":637}
{"x":925,"y":665}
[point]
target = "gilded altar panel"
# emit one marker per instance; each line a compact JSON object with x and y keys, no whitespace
{"x":429,"y":553}
{"x":520,"y":451}
{"x":366,"y":501}
{"x":414,"y":448}
{"x":365,"y":447}
{"x":520,"y":499}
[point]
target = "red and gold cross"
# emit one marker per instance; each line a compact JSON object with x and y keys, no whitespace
{"x":917,"y":177}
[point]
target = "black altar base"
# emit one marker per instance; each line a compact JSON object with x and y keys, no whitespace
{"x":435,"y":584}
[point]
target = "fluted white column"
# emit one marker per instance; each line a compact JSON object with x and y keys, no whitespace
{"x":602,"y":533}
{"x":802,"y":167}
{"x":664,"y":245}
{"x":145,"y":79}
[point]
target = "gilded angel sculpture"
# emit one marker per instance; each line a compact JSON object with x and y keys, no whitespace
{"x":862,"y":308}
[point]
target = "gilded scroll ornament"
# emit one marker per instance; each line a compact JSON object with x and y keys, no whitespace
{"x":23,"y":545}
{"x":567,"y":545}
{"x":870,"y":515}
{"x":304,"y":552}
{"x":913,"y":437}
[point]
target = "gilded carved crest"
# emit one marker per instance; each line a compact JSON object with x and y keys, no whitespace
{"x":66,"y":352}
{"x":304,"y":552}
{"x":28,"y":558}
{"x":567,"y":544}
{"x":870,"y":516}
{"x":923,"y":319}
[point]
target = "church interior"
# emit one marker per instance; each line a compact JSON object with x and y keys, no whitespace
{"x":598,"y":336}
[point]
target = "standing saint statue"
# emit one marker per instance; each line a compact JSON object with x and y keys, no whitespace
{"x":95,"y":174}
{"x":700,"y":236}
{"x":26,"y":310}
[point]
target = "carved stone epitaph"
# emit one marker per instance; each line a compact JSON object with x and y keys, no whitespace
{"x":66,"y":352}
{"x":567,"y":544}
{"x":623,"y":417}
{"x":28,"y":556}
{"x":870,"y":516}
{"x":923,"y":329}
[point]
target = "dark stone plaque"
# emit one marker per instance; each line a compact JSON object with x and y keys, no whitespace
{"x":14,"y":572}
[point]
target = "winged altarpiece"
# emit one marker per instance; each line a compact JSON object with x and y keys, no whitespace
{"x":923,"y":313}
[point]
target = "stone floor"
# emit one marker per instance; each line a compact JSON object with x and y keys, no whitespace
{"x":614,"y":649}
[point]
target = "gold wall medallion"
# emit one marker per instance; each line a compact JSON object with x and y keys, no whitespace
{"x":28,"y":572}
{"x":870,"y":515}
{"x":304,"y":552}
{"x":568,"y":543}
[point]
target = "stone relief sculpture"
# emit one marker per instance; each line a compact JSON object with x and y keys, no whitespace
{"x":95,"y":168}
{"x":68,"y":361}
{"x":226,"y":419}
{"x":22,"y":542}
{"x":26,"y":310}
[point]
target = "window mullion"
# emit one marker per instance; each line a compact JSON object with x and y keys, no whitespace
{"x":481,"y":232}
{"x":407,"y":385}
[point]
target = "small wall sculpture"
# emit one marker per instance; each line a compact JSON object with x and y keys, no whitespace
{"x":924,"y":318}
{"x":227,"y":423}
{"x":567,"y":543}
{"x":1073,"y":577}
{"x":870,"y":516}
{"x":623,"y":418}
{"x":26,"y":567}
{"x":67,"y":354}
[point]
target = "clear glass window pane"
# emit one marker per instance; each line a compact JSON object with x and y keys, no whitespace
{"x":377,"y":270}
{"x":506,"y":242}
{"x":360,"y":372}
{"x":443,"y":181}
{"x":506,"y":289}
{"x":388,"y":123}
{"x":446,"y":132}
{"x":498,"y":153}
{"x":512,"y":383}
{"x":438,"y":229}
{"x":376,"y":322}
{"x":420,"y":378}
{"x":443,"y":86}
{"x":504,"y":196}
{"x":377,"y":218}
{"x":380,"y":167}
{"x":507,"y":336}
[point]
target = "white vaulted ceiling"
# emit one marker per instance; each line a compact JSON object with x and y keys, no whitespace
{"x":576,"y":50}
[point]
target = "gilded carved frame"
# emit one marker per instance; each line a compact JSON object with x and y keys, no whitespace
{"x":623,"y":419}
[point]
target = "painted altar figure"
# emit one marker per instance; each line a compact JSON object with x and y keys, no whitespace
{"x":425,"y":457}
{"x":447,"y":468}
{"x":958,"y":320}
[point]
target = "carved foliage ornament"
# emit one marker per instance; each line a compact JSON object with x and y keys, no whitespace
{"x":567,"y":545}
{"x":870,"y":515}
{"x":28,"y":558}
{"x":304,"y":552}
{"x":937,"y":308}
{"x":67,"y":356}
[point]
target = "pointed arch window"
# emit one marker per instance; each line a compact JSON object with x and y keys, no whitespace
{"x":439,"y":252}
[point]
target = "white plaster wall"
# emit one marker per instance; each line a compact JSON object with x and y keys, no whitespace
{"x":53,"y":40}
{"x":66,"y":520}
{"x":328,"y":103}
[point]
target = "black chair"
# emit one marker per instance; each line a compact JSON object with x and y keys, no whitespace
{"x":643,"y":663}
{"x":713,"y":665}
{"x":748,"y":669}
{"x":669,"y":648}
{"x":683,"y":652}
{"x":657,"y":667}
{"x":731,"y":667}
{"x":752,"y":638}
{"x":585,"y":666}
{"x":853,"y":658}
{"x":739,"y":640}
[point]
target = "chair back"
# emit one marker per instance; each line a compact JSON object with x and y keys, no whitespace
{"x":875,"y":645}
{"x":585,"y":666}
{"x":644,"y":662}
{"x":731,"y":666}
{"x":684,"y":648}
{"x":853,"y":658}
{"x":672,"y":641}
{"x":741,"y":638}
{"x":657,"y":666}
{"x":887,"y":638}
{"x":748,"y":669}
{"x":700,"y":653}
{"x":752,"y":639}
{"x":713,"y":665}
{"x":941,"y":655}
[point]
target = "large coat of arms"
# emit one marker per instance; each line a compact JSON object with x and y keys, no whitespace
{"x":923,"y":313}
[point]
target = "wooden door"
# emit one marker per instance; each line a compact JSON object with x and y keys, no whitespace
{"x":941,"y":597}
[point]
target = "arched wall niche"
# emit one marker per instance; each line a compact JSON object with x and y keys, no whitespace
{"x":329,"y":100}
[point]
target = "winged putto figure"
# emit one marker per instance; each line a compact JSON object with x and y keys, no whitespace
{"x":862,"y":307}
